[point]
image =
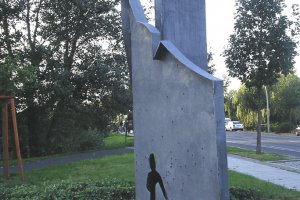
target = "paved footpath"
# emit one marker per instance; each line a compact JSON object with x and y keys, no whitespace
{"x":69,"y":158}
{"x":265,"y":171}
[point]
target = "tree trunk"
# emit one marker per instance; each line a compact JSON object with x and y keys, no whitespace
{"x":258,"y":139}
{"x":32,"y":129}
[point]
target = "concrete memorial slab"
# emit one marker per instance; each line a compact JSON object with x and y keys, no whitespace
{"x":178,"y":108}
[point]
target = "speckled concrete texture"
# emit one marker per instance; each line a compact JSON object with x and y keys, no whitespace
{"x":178,"y":108}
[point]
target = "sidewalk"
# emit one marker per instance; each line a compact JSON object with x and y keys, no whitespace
{"x":265,"y":171}
{"x":67,"y":159}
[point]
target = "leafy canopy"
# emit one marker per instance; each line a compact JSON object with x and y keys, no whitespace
{"x":262,"y":46}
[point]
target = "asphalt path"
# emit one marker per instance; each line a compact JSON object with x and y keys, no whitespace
{"x":67,"y":159}
{"x":276,"y":143}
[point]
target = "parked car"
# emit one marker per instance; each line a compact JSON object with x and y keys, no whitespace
{"x":234,"y":126}
{"x":226,"y":122}
{"x":297,"y":130}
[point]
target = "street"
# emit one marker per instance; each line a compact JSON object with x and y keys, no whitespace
{"x":281,"y":144}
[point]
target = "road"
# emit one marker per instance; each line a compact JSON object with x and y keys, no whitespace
{"x":282,"y":144}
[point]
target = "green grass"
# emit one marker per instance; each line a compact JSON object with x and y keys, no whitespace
{"x":121,"y":167}
{"x":252,"y":154}
{"x":115,"y":141}
{"x":266,"y":189}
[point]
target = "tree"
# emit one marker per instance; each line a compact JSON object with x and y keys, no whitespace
{"x":69,"y":62}
{"x":285,"y":103}
{"x":246,"y":101}
{"x":226,"y":83}
{"x":261,"y":48}
{"x":229,"y":106}
{"x":211,"y":66}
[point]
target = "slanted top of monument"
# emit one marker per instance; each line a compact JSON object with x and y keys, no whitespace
{"x":184,"y":24}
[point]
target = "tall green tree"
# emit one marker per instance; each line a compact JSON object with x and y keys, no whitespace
{"x":261,"y":48}
{"x":68,"y":61}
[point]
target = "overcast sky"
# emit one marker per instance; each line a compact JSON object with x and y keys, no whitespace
{"x":219,"y":22}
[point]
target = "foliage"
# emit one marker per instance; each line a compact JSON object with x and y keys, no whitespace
{"x":261,"y":48}
{"x":230,"y":107}
{"x":237,"y":193}
{"x":282,"y":127}
{"x":102,"y":190}
{"x":285,"y":104}
{"x":64,"y":62}
{"x":227,"y":82}
{"x":247,"y":101}
{"x":211,"y":66}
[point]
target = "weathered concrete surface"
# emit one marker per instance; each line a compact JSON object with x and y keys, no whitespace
{"x":184,"y":24}
{"x":178,"y":115}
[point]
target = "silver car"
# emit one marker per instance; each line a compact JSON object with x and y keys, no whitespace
{"x":234,"y":126}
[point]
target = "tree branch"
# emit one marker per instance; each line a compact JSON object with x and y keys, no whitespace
{"x":28,"y":26}
{"x":7,"y":35}
{"x":37,"y":21}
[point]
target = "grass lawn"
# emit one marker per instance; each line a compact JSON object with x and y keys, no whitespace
{"x":268,"y":190}
{"x":115,"y":141}
{"x":121,"y":167}
{"x":252,"y":154}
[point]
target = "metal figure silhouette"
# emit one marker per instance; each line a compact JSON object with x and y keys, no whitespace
{"x":153,"y":178}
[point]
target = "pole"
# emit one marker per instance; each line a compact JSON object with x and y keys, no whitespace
{"x":16,"y":135}
{"x":268,"y":109}
{"x":6,"y":144}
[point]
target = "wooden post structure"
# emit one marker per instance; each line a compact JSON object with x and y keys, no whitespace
{"x":5,"y":101}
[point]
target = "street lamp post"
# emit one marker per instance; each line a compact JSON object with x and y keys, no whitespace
{"x":268,"y":110}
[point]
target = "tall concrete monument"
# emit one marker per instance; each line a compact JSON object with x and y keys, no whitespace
{"x":178,"y":108}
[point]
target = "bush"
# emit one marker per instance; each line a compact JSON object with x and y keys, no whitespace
{"x":284,"y":127}
{"x":104,"y":190}
{"x":243,"y":194}
{"x":89,"y":140}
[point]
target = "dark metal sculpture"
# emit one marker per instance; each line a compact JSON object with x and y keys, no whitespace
{"x":154,"y":178}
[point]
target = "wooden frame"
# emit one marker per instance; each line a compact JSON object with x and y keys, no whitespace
{"x":5,"y":101}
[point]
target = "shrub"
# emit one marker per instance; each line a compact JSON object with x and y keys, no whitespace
{"x":90,"y":139}
{"x":103,"y":190}
{"x":283,"y":127}
{"x":243,"y":194}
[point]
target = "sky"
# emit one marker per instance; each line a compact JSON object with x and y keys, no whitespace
{"x":219,"y":26}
